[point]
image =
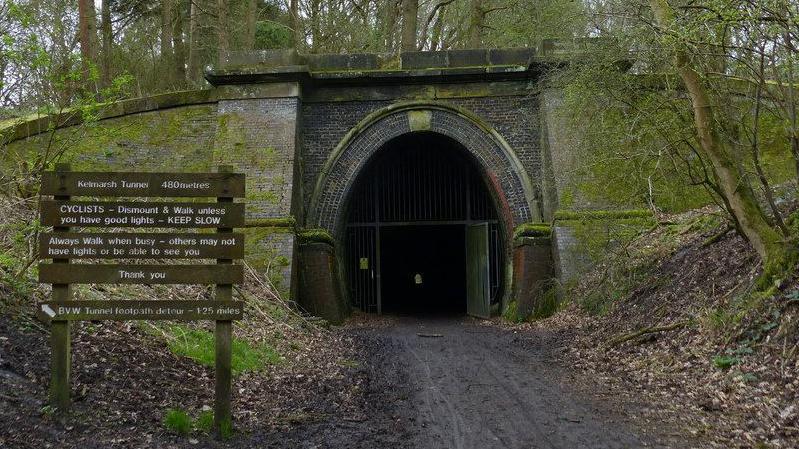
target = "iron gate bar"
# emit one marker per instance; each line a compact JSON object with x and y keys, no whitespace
{"x":410,"y":185}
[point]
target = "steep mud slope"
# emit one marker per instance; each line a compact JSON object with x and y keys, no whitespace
{"x":674,"y":319}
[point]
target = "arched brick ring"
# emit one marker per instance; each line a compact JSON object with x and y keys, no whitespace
{"x":512,"y":190}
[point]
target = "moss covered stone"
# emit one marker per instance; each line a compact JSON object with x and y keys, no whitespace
{"x":569,"y":215}
{"x":532,"y":230}
{"x":316,"y":236}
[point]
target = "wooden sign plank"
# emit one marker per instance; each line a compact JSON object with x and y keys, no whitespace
{"x":141,"y":214}
{"x":140,"y":274}
{"x":141,"y":310}
{"x":126,"y":245}
{"x":143,"y":184}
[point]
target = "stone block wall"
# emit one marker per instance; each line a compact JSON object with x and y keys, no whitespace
{"x":570,"y":259}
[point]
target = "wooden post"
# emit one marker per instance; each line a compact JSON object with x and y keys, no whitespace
{"x":60,"y":339}
{"x":223,"y":420}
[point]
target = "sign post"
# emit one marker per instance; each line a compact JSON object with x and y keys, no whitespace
{"x":60,"y":338}
{"x":223,"y":336}
{"x":62,"y":245}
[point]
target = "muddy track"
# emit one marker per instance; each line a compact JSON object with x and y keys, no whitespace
{"x":414,"y":383}
{"x":470,"y":385}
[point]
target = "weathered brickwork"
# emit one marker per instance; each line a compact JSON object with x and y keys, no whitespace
{"x":258,"y":137}
{"x":515,"y":118}
{"x":327,"y":211}
{"x":178,"y":139}
{"x":323,"y":127}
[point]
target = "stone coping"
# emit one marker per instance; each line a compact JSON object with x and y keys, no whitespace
{"x":37,"y":124}
{"x":288,"y":65}
{"x":287,"y":60}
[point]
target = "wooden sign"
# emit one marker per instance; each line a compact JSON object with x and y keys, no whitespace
{"x":143,"y":184}
{"x":142,"y":310}
{"x":110,"y":245}
{"x":62,"y":245}
{"x":140,"y":274}
{"x":142,"y":214}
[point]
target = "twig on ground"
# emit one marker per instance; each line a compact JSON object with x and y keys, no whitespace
{"x":647,"y":330}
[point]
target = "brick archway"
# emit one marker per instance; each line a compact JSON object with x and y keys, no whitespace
{"x":510,"y":186}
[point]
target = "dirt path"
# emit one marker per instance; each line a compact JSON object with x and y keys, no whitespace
{"x":483,"y":386}
{"x":461,"y":384}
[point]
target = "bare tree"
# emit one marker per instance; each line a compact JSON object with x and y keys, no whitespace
{"x":410,"y":12}
{"x":222,"y":30}
{"x":105,"y":14}
{"x":88,"y":34}
{"x":731,"y":179}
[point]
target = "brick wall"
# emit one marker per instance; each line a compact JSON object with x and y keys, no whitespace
{"x":325,"y":124}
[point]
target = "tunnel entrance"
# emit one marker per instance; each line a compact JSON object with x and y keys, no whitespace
{"x":422,"y":233}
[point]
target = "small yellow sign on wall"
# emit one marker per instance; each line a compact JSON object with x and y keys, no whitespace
{"x":364,"y":263}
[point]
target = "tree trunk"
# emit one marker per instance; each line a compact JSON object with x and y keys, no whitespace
{"x":316,"y":25}
{"x":477,"y":16}
{"x":410,"y":12}
{"x":87,"y":35}
{"x":250,"y":17}
{"x":166,"y":39}
{"x":105,"y":16}
{"x":732,"y":181}
{"x":298,"y":33}
{"x":435,"y":37}
{"x":194,"y":41}
{"x":390,"y":15}
{"x":223,"y":38}
{"x":178,"y":44}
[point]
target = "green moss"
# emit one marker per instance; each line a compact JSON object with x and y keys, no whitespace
{"x":562,"y":215}
{"x":279,"y":222}
{"x":532,"y":230}
{"x":108,"y":144}
{"x":316,"y":236}
{"x":264,"y":240}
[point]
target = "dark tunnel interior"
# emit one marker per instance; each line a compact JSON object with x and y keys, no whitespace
{"x":406,"y":247}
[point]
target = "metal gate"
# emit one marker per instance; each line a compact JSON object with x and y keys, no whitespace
{"x":418,"y":179}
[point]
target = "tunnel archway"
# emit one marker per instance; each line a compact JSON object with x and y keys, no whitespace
{"x":410,"y":216}
{"x":508,"y":184}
